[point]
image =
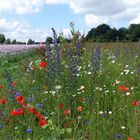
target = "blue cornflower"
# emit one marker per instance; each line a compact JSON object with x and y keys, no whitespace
{"x":29,"y":130}
{"x":30,"y":99}
{"x":40,"y":105}
{"x":87,"y":122}
{"x":118,"y":136}
{"x":17,"y":94}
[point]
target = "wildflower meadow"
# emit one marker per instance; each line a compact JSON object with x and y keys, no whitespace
{"x":71,"y":91}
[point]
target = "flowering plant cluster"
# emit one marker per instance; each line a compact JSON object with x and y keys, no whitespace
{"x":74,"y":92}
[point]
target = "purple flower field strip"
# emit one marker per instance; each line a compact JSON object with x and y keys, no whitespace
{"x":4,"y":49}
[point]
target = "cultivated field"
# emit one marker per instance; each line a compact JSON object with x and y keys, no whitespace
{"x":11,"y":49}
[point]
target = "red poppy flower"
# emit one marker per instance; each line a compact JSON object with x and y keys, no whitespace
{"x":31,"y":109}
{"x":43,"y":64}
{"x":37,"y":114}
{"x":24,"y":104}
{"x":14,"y":83}
{"x":1,"y":86}
{"x":65,"y":125}
{"x":42,"y":122}
{"x":123,"y":88}
{"x":17,"y":112}
{"x":20,"y":98}
{"x":80,"y":108}
{"x":67,"y":112}
{"x":135,"y":103}
{"x":60,"y":105}
{"x":42,"y":117}
{"x":129,"y":138}
{"x":3,"y":101}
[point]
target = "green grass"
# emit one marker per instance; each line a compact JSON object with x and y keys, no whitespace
{"x":106,"y":109}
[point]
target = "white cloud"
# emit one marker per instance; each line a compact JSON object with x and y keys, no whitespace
{"x":22,"y":31}
{"x":21,"y":6}
{"x":66,"y":32}
{"x":136,"y":20}
{"x":95,"y":7}
{"x":6,"y":26}
{"x":93,"y":21}
{"x":56,"y":1}
{"x":100,"y":10}
{"x":98,"y":7}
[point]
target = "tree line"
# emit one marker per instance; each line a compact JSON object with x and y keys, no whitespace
{"x":48,"y":40}
{"x":104,"y":33}
{"x":3,"y":40}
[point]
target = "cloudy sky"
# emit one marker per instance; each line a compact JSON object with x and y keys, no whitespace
{"x":24,"y":19}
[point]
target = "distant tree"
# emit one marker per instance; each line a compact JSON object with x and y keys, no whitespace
{"x":91,"y":34}
{"x":103,"y":33}
{"x":8,"y":41}
{"x":30,"y":41}
{"x":100,"y":33}
{"x":112,"y":35}
{"x":17,"y":42}
{"x":102,"y":29}
{"x":14,"y":41}
{"x":49,"y":40}
{"x":2,"y":38}
{"x":134,"y":32}
{"x":68,"y":40}
{"x":122,"y":33}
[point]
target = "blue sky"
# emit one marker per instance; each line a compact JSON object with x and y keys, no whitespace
{"x":23,"y":19}
{"x":57,"y":16}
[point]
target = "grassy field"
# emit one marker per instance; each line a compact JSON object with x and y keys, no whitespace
{"x":82,"y":93}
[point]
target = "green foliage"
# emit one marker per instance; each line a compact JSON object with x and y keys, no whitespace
{"x":2,"y":38}
{"x":8,"y":41}
{"x":123,"y":32}
{"x":14,"y":41}
{"x":30,"y":41}
{"x":49,"y":40}
{"x":134,"y":32}
{"x":104,"y":33}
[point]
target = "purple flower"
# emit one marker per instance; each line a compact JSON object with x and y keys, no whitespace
{"x":95,"y":60}
{"x":1,"y":126}
{"x":138,"y":70}
{"x":3,"y":114}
